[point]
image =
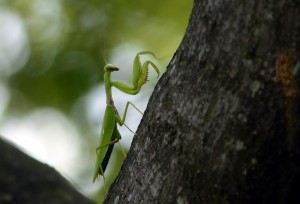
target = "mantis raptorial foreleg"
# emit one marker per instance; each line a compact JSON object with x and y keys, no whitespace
{"x":139,"y":75}
{"x":110,"y":133}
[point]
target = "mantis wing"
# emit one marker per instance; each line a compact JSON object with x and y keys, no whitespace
{"x":108,"y":127}
{"x":115,"y":137}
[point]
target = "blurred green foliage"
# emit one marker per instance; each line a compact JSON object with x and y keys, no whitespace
{"x":67,"y":40}
{"x":60,"y":56}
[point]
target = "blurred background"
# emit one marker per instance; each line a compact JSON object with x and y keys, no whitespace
{"x":52,"y":53}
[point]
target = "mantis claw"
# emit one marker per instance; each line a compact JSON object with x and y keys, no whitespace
{"x":139,"y":75}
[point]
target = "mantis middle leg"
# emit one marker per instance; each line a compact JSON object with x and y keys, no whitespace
{"x":122,"y":121}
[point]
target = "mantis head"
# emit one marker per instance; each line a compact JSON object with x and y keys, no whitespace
{"x":110,"y":68}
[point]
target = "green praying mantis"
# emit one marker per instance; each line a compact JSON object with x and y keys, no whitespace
{"x":110,"y":133}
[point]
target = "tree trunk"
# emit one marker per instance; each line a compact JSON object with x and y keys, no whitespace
{"x":223,"y":123}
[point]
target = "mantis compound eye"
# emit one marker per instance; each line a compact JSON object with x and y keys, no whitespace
{"x":110,"y":68}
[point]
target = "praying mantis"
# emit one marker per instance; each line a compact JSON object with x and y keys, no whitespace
{"x":110,"y":133}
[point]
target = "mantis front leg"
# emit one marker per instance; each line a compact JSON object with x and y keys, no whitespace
{"x":139,"y":75}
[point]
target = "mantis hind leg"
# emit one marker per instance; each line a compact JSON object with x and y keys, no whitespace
{"x":108,"y":144}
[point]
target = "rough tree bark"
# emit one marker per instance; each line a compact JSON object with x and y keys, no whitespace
{"x":222,"y":125}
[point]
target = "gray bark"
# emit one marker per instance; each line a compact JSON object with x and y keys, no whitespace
{"x":222,"y":125}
